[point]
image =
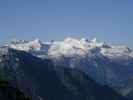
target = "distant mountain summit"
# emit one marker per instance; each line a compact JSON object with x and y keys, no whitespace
{"x":26,"y":45}
{"x":73,"y":46}
{"x":110,"y":65}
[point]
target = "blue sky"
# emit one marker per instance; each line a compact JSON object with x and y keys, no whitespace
{"x":108,"y":20}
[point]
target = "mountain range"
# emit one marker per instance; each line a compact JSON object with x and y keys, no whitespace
{"x":74,"y":69}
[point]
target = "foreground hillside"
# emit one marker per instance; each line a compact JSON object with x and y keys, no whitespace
{"x":8,"y":92}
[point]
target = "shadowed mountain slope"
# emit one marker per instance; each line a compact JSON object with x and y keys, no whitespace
{"x":42,"y":80}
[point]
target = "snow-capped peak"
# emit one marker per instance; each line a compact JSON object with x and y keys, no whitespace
{"x":35,"y":44}
{"x":94,"y":40}
{"x":70,"y":47}
{"x":26,"y":45}
{"x":73,"y":46}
